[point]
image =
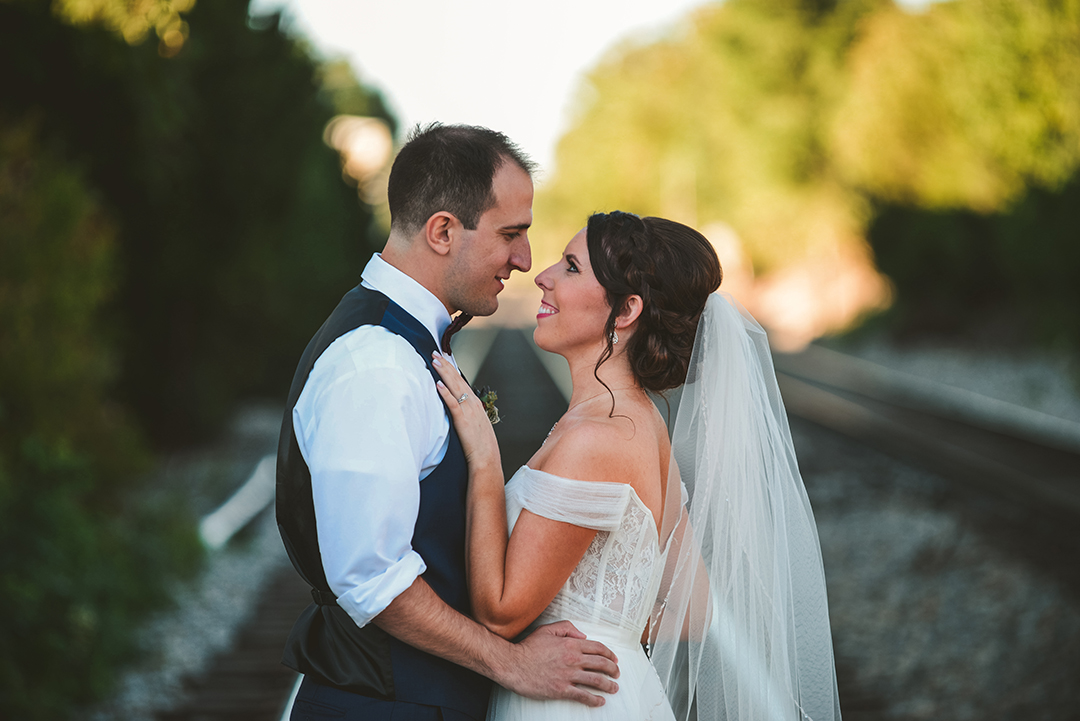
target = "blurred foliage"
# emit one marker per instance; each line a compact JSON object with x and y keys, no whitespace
{"x":236,"y":234}
{"x":1005,"y":278}
{"x":964,"y":106}
{"x":727,"y":121}
{"x":172,"y":229}
{"x":78,"y":559}
{"x":57,"y":271}
{"x":963,"y":125}
{"x":342,"y":90}
{"x":132,"y":19}
{"x":802,"y":124}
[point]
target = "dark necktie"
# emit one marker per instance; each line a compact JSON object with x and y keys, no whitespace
{"x":455,"y":325}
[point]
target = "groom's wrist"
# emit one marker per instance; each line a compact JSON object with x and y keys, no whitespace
{"x":499,"y":660}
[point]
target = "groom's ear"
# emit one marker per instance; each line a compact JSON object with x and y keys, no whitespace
{"x":631,"y":310}
{"x":440,"y":230}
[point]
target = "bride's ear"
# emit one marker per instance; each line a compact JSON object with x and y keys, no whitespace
{"x":631,"y":310}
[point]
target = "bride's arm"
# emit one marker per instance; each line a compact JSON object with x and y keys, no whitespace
{"x":511,"y":580}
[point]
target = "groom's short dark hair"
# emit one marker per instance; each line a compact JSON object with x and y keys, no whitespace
{"x":448,"y":168}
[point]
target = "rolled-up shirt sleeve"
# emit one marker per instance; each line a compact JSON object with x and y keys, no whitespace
{"x":370,"y":425}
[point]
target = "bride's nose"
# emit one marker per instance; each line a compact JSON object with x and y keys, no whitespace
{"x":543,"y":278}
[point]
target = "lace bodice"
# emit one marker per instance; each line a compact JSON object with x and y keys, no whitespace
{"x":616,"y":581}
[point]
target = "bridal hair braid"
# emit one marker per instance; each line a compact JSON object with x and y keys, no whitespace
{"x":674,"y":269}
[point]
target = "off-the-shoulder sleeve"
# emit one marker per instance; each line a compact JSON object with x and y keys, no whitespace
{"x":589,"y":504}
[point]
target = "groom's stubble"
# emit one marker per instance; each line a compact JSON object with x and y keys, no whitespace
{"x":499,"y":245}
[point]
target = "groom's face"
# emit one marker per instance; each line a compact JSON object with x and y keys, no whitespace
{"x":498,"y":246}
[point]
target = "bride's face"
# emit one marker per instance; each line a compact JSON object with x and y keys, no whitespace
{"x":574,"y":306}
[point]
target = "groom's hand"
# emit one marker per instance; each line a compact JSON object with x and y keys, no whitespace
{"x":556,"y":660}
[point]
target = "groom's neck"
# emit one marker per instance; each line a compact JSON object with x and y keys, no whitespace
{"x":414,"y":259}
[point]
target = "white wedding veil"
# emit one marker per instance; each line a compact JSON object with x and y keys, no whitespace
{"x":741,"y":627}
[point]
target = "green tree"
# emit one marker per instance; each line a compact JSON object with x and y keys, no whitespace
{"x":236,"y":233}
{"x":966,"y":105}
{"x":963,"y":126}
{"x":807,"y":125}
{"x":172,"y":229}
{"x":132,"y":19}
{"x":728,"y":120}
{"x":78,"y":559}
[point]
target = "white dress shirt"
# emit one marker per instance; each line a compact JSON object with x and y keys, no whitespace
{"x":371,"y":426}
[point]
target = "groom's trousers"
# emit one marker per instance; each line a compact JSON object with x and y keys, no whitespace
{"x":315,"y":702}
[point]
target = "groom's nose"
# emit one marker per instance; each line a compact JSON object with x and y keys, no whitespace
{"x":521,"y":254}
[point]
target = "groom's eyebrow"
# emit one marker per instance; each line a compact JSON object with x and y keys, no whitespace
{"x":519,"y":226}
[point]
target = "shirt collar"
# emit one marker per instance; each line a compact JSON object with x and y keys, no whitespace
{"x":414,"y":299}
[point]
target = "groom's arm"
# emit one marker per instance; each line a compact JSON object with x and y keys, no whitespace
{"x":365,"y":433}
{"x":551,"y":663}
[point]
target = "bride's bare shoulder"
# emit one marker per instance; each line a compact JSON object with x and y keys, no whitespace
{"x":600,"y":449}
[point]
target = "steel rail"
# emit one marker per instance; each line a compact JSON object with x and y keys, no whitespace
{"x":993,"y":446}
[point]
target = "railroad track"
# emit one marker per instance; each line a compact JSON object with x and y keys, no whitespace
{"x":996,"y":448}
{"x":993,"y":448}
{"x":248,"y":682}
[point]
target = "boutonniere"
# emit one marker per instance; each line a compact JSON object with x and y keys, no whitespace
{"x":488,"y":397}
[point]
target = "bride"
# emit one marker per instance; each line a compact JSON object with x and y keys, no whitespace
{"x":694,"y":559}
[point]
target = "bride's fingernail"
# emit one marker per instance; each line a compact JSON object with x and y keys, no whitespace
{"x":435,"y":362}
{"x":440,"y":384}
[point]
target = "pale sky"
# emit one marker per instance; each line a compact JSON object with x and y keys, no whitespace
{"x":511,"y":66}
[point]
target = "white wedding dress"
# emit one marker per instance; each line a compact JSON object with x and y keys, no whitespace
{"x":609,"y":596}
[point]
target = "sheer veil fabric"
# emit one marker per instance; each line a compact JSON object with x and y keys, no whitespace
{"x":741,"y":629}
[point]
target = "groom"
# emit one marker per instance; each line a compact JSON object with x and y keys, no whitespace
{"x":371,"y":478}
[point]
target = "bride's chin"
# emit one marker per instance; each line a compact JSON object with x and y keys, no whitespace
{"x":538,"y":339}
{"x":544,"y":341}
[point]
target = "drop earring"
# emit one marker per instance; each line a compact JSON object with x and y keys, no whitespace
{"x":614,"y":337}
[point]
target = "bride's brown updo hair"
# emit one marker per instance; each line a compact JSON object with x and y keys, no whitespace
{"x":674,"y":269}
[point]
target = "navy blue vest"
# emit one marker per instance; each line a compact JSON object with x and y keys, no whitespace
{"x":325,"y":643}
